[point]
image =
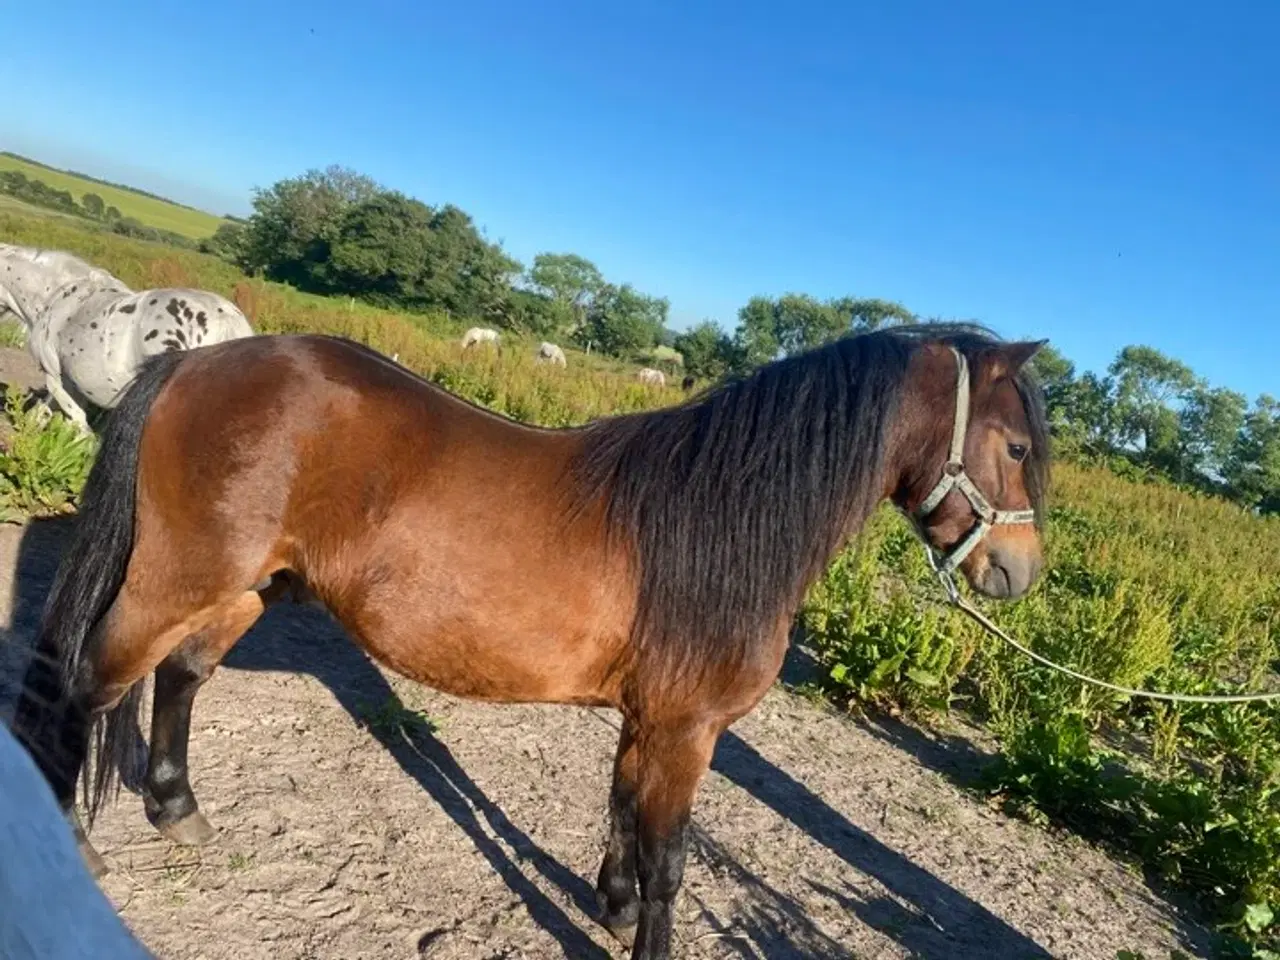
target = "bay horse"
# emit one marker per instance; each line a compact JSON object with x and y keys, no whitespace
{"x":651,"y":562}
{"x":87,"y":330}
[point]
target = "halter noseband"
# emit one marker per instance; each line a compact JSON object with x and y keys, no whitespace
{"x":954,"y":478}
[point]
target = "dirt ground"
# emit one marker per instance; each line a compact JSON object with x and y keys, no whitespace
{"x":348,"y":830}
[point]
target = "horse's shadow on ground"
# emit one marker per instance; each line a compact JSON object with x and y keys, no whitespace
{"x":921,"y":912}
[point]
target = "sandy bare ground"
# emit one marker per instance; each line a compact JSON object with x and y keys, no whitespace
{"x":350,"y":831}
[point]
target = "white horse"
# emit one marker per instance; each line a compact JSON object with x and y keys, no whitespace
{"x":51,"y":907}
{"x":479,"y":335}
{"x":550,"y":353}
{"x":651,"y":376}
{"x":90,"y":332}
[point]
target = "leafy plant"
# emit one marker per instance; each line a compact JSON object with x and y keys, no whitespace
{"x":45,"y":462}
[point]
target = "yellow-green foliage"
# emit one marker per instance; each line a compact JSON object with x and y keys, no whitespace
{"x":1146,"y":586}
{"x":153,"y":212}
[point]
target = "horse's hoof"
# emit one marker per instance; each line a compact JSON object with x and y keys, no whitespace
{"x":93,"y":861}
{"x":622,"y":923}
{"x":193,"y":830}
{"x":624,"y":935}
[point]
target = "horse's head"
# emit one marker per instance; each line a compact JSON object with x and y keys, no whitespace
{"x":976,"y":488}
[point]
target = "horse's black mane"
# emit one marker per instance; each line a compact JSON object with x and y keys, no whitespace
{"x":734,"y":501}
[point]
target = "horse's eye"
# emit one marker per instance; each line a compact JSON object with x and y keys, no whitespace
{"x":1017,"y":451}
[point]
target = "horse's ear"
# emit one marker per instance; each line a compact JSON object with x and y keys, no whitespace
{"x":1009,"y":358}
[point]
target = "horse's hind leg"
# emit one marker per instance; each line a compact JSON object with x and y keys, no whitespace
{"x":616,"y":893}
{"x":71,"y":409}
{"x":140,"y":635}
{"x":170,"y":803}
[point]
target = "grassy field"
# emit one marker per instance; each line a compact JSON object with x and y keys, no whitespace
{"x":153,"y":212}
{"x":1146,"y":586}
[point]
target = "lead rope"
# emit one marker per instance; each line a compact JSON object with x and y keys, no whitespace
{"x":960,"y":603}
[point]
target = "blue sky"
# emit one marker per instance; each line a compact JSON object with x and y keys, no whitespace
{"x":1097,"y":173}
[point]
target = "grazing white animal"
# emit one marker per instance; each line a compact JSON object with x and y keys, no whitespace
{"x":89,"y":332}
{"x":479,"y":335}
{"x":51,"y":907}
{"x":550,"y":353}
{"x":651,"y":376}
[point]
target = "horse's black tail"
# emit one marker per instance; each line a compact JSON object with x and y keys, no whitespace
{"x":57,"y":696}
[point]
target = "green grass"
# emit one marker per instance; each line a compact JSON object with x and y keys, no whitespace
{"x":151,"y":211}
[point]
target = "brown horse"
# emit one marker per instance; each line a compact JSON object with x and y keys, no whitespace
{"x":651,"y":562}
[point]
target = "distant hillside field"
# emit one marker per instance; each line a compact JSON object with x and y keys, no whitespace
{"x":152,"y":211}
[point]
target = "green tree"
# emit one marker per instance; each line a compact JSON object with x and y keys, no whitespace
{"x":226,"y":242}
{"x":707,"y":350}
{"x":1054,"y":372}
{"x":1082,"y":415}
{"x":1253,"y":469}
{"x":1147,"y":383}
{"x":756,"y":339}
{"x":295,"y":221}
{"x":394,"y":249}
{"x":801,"y":322}
{"x":94,"y":205}
{"x":795,"y":322}
{"x":1210,"y":422}
{"x":861,"y":314}
{"x":569,"y":281}
{"x":622,"y":321}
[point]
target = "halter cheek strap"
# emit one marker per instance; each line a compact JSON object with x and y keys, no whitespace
{"x":955,"y":478}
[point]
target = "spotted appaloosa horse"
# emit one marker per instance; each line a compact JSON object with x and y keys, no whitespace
{"x":89,"y":332}
{"x":651,"y":562}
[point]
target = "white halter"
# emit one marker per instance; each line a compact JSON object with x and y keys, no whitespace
{"x":954,"y":477}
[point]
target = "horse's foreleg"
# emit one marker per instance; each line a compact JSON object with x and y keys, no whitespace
{"x":170,"y":802}
{"x":70,"y":409}
{"x":673,"y":761}
{"x":616,"y":892}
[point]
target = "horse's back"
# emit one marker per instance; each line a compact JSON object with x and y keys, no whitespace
{"x":185,"y":318}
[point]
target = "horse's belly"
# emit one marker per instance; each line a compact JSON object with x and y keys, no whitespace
{"x":500,"y":653}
